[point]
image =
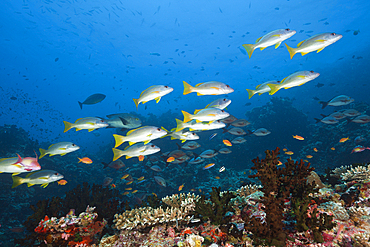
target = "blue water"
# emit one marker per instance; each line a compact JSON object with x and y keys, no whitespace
{"x":55,"y":53}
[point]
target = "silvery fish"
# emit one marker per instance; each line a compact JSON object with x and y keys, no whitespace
{"x":61,"y":148}
{"x":89,"y":123}
{"x":208,"y":88}
{"x":93,"y":99}
{"x":43,"y":177}
{"x":221,"y":103}
{"x":154,"y":92}
{"x":123,"y":121}
{"x":337,"y":101}
{"x":261,"y":88}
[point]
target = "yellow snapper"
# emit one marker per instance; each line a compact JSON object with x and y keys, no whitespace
{"x":315,"y":43}
{"x":61,"y":148}
{"x":14,"y":165}
{"x":143,"y":134}
{"x":262,"y":88}
{"x":221,"y":103}
{"x":182,"y":135}
{"x":151,"y":93}
{"x":269,"y":39}
{"x":208,"y":88}
{"x":208,"y":114}
{"x":89,"y":123}
{"x":136,"y":150}
{"x":296,"y":79}
{"x":193,"y":125}
{"x":43,"y":177}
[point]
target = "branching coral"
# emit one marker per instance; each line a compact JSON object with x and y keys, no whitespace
{"x":358,"y":173}
{"x":248,"y":189}
{"x":178,"y":201}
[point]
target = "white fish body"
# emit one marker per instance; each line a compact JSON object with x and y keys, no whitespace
{"x":60,"y":148}
{"x":184,"y":135}
{"x":194,"y":125}
{"x":208,"y":88}
{"x":296,"y":79}
{"x":89,"y":123}
{"x":143,"y":134}
{"x":337,"y":101}
{"x":9,"y":165}
{"x":43,"y":177}
{"x":208,"y":114}
{"x":261,"y":89}
{"x":136,"y":150}
{"x":155,"y":92}
{"x":221,"y":103}
{"x":260,"y":132}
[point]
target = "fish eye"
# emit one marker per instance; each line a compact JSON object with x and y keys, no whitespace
{"x":287,"y":29}
{"x":152,"y":146}
{"x":227,"y":86}
{"x":222,"y":111}
{"x":56,"y":173}
{"x":73,"y":144}
{"x":224,"y":99}
{"x":193,"y":134}
{"x":159,"y":129}
{"x":166,"y":86}
{"x":312,"y":71}
{"x":136,"y":119}
{"x":333,"y":34}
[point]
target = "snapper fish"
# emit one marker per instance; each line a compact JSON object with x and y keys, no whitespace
{"x":272,"y":38}
{"x":89,"y":123}
{"x":143,"y":134}
{"x":337,"y":101}
{"x":337,"y":115}
{"x":221,"y":103}
{"x":190,"y":145}
{"x":362,"y":119}
{"x":61,"y":148}
{"x":197,"y":160}
{"x":240,"y":123}
{"x":208,"y":88}
{"x":155,"y":92}
{"x":238,"y":140}
{"x":230,"y":119}
{"x":117,"y":164}
{"x":259,"y":132}
{"x":194,"y":125}
{"x":137,"y":150}
{"x":155,"y":168}
{"x":159,"y":180}
{"x":327,"y":120}
{"x":294,"y":80}
{"x":235,"y":131}
{"x":17,"y":165}
{"x":261,"y":89}
{"x":315,"y":43}
{"x":123,"y":121}
{"x":43,"y":177}
{"x":93,"y":99}
{"x":209,"y":153}
{"x":208,"y":114}
{"x":351,"y":113}
{"x":181,"y":135}
{"x":224,"y":151}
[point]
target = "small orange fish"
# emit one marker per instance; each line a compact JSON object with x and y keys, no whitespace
{"x":181,"y":186}
{"x":298,"y":137}
{"x":62,"y":182}
{"x":140,"y":178}
{"x":113,"y":186}
{"x":309,"y":156}
{"x":130,"y":182}
{"x":133,"y":192}
{"x":344,"y":139}
{"x":85,"y":160}
{"x":315,"y":149}
{"x":217,"y":177}
{"x":305,"y":161}
{"x":154,"y":194}
{"x":208,"y":166}
{"x":125,"y":193}
{"x":200,"y":190}
{"x":289,"y":153}
{"x":280,"y":163}
{"x":141,"y":158}
{"x":284,"y":149}
{"x":125,"y":176}
{"x":128,"y":188}
{"x":170,"y":159}
{"x":227,"y":143}
{"x":333,"y":148}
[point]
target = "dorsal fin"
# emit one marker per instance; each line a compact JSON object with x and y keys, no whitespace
{"x":258,"y":39}
{"x":130,"y":131}
{"x":51,"y":146}
{"x":300,"y":43}
{"x":199,"y":84}
{"x":283,"y":80}
{"x":146,"y":90}
{"x":258,"y":86}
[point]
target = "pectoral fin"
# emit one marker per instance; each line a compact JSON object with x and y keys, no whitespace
{"x":277,"y":45}
{"x":320,"y":49}
{"x":157,"y":99}
{"x":44,"y":185}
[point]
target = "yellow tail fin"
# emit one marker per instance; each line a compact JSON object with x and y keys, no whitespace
{"x":291,"y":50}
{"x":67,"y":126}
{"x":251,"y":93}
{"x":117,"y":154}
{"x":274,"y":88}
{"x":17,"y":181}
{"x":249,"y":48}
{"x":187,"y":116}
{"x":187,"y":88}
{"x":179,"y":124}
{"x":119,"y":140}
{"x":136,"y":103}
{"x":42,"y":153}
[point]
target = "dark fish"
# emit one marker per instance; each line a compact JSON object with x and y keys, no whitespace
{"x":13,"y":98}
{"x":56,"y":59}
{"x":315,"y":98}
{"x":356,"y":32}
{"x":318,"y":85}
{"x":308,"y":23}
{"x":123,"y":121}
{"x":248,"y":104}
{"x":276,"y":8}
{"x":323,"y":19}
{"x":93,"y":99}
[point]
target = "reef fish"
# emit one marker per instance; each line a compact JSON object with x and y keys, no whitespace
{"x":327,"y":120}
{"x":224,"y":151}
{"x":362,"y":119}
{"x":181,"y":135}
{"x":238,"y":140}
{"x":344,"y":139}
{"x":208,"y":114}
{"x":136,"y":150}
{"x":208,"y":88}
{"x":154,"y":92}
{"x":117,"y":164}
{"x":89,"y":123}
{"x":359,"y":149}
{"x":85,"y":160}
{"x":156,"y":168}
{"x":194,"y":125}
{"x":240,"y":123}
{"x":93,"y":99}
{"x":296,"y":79}
{"x":315,"y":43}
{"x":337,"y":101}
{"x":17,"y":165}
{"x":123,"y":121}
{"x":272,"y":38}
{"x":61,"y":148}
{"x":260,"y":132}
{"x":235,"y":131}
{"x":209,"y":153}
{"x":221,"y":103}
{"x":261,"y":88}
{"x":208,"y":166}
{"x":43,"y":177}
{"x":196,"y":160}
{"x":351,"y":113}
{"x":229,"y":119}
{"x":143,"y":134}
{"x":107,"y":181}
{"x":298,"y":137}
{"x":227,"y":143}
{"x":190,"y":145}
{"x":159,"y":180}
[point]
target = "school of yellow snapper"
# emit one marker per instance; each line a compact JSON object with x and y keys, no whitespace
{"x":211,"y":117}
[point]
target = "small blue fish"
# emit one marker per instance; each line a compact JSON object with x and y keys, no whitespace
{"x":212,"y":136}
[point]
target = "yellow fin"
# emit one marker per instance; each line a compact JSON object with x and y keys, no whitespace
{"x":50,"y":146}
{"x":249,"y":48}
{"x":146,"y":142}
{"x":187,"y":116}
{"x":183,"y":140}
{"x":274,"y":88}
{"x":17,"y":181}
{"x":172,"y":138}
{"x":29,"y":184}
{"x":262,"y":48}
{"x":198,"y":121}
{"x":131,"y":143}
{"x":277,"y":45}
{"x":128,"y":157}
{"x":179,"y":125}
{"x":78,"y":129}
{"x":91,"y":130}
{"x":157,"y":99}
{"x":199,"y":94}
{"x":78,"y":119}
{"x":303,"y":53}
{"x":320,"y":49}
{"x":136,"y":102}
{"x":44,"y":185}
{"x":258,"y":86}
{"x":187,"y":88}
{"x":283,"y":80}
{"x":118,"y":139}
{"x":62,"y":154}
{"x":250,"y":93}
{"x":199,"y":84}
{"x":67,"y":126}
{"x":117,"y":154}
{"x":258,"y":39}
{"x":291,"y":51}
{"x":196,"y":111}
{"x":16,"y":173}
{"x":300,"y":43}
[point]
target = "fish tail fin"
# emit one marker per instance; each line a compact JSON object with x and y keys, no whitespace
{"x":117,"y":154}
{"x":80,"y":104}
{"x":187,"y":116}
{"x":317,"y":120}
{"x":249,"y":132}
{"x":42,"y":153}
{"x":136,"y":103}
{"x":17,"y":181}
{"x":291,"y":50}
{"x":224,"y":130}
{"x":251,"y":93}
{"x":105,"y":165}
{"x":324,"y":104}
{"x":178,"y":146}
{"x":274,"y":88}
{"x":249,"y":48}
{"x":67,"y":126}
{"x":119,"y":140}
{"x":187,"y":88}
{"x":179,"y":124}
